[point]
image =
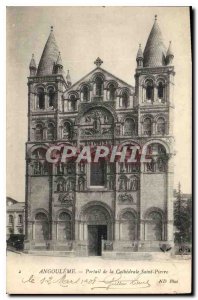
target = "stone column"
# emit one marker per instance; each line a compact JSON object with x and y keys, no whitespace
{"x":169,"y":228}
{"x":77,"y":226}
{"x":155,"y":98}
{"x":85,"y":232}
{"x":117,"y":230}
{"x":54,"y":230}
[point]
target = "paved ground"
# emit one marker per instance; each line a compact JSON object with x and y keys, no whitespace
{"x":13,"y":253}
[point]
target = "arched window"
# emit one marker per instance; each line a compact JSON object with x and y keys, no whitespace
{"x":157,"y":153}
{"x":99,"y":84}
{"x":41,"y":98}
{"x":147,"y":126}
{"x":98,"y":173}
{"x":73,"y":102}
{"x":11,"y":220}
{"x":125,"y":100}
{"x":64,"y":226}
{"x":149,"y":90}
{"x":66,"y":131}
{"x":161,"y":126}
{"x":85,"y":93}
{"x":129,"y":127}
{"x":51,"y":95}
{"x":160,"y":90}
{"x":38,"y":132}
{"x":112,"y":91}
{"x":50,"y":131}
{"x":20,"y":219}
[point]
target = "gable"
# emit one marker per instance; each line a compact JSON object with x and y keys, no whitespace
{"x":107,"y":78}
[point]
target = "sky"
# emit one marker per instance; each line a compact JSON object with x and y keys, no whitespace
{"x":83,"y":34}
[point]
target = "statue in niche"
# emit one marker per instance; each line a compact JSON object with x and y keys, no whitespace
{"x":106,"y":119}
{"x":81,"y":183}
{"x":133,"y":186}
{"x":111,"y":182}
{"x":96,"y":123}
{"x":45,"y":168}
{"x":150,"y":166}
{"x":123,"y":183}
{"x":37,"y":168}
{"x":60,"y":186}
{"x":70,"y":184}
{"x":161,"y":165}
{"x":70,"y":168}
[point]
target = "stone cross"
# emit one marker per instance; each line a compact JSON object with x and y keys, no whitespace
{"x":98,"y":62}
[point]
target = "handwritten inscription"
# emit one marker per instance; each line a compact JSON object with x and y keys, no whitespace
{"x":107,"y":283}
{"x":95,"y":279}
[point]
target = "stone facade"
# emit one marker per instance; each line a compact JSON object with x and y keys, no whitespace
{"x":73,"y":207}
{"x":15,"y":217}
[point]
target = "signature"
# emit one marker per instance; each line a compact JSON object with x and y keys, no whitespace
{"x":109,"y":281}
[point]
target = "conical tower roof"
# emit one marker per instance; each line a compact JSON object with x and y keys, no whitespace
{"x":155,"y":50}
{"x":68,"y":78}
{"x":49,"y":56}
{"x":32,"y":62}
{"x":59,"y":60}
{"x":170,"y":50}
{"x":139,"y":53}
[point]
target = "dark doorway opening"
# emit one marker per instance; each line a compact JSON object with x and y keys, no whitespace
{"x":95,"y":235}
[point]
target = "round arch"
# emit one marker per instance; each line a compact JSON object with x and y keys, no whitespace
{"x":128,"y":219}
{"x":93,"y":106}
{"x":41,"y":225}
{"x":95,"y":222}
{"x":157,"y":141}
{"x":153,"y":209}
{"x":154,"y":224}
{"x":35,"y":147}
{"x":96,"y":75}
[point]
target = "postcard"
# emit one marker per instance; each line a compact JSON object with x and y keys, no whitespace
{"x":99,"y":107}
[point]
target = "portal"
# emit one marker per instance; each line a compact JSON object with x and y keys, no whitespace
{"x":95,"y":235}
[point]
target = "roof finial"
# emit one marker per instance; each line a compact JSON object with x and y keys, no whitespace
{"x":98,"y":62}
{"x":52,"y":28}
{"x":155,"y":17}
{"x":139,"y":45}
{"x":68,"y":77}
{"x":32,"y":55}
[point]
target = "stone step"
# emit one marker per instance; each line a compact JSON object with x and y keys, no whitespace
{"x":51,"y":253}
{"x":135,"y":255}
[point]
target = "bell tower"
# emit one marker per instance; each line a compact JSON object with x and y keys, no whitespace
{"x":46,"y":85}
{"x":154,"y":100}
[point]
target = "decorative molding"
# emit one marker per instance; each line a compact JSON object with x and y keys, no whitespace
{"x":125,"y":198}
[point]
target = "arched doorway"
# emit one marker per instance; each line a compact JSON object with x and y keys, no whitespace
{"x":41,"y":227}
{"x":98,"y":221}
{"x":154,"y":226}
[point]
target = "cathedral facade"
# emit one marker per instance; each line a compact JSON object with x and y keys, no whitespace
{"x":87,"y":208}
